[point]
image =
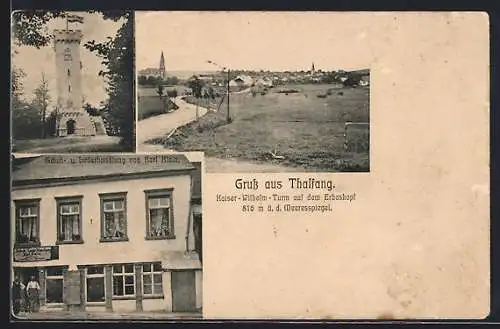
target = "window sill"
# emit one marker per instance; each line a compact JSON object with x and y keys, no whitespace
{"x":124,"y":297}
{"x":152,"y":297}
{"x":26,"y":244}
{"x":54,"y":305}
{"x":69,"y":242}
{"x":168,"y":237}
{"x":114,"y":240}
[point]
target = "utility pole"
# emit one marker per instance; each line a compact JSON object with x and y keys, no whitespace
{"x":228,"y":118}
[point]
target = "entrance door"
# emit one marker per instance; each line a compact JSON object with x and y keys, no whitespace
{"x":183,"y":291}
{"x":72,"y":290}
{"x":70,"y":127}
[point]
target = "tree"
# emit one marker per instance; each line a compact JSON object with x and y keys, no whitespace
{"x":196,"y":86}
{"x":352,"y":80}
{"x":17,"y":87}
{"x":172,"y":93}
{"x":160,"y":93}
{"x":41,"y":102}
{"x":29,"y":29}
{"x":142,"y":80}
{"x":26,"y":121}
{"x":117,"y":57}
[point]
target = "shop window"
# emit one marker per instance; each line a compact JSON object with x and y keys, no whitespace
{"x":95,"y":284}
{"x":160,"y":221}
{"x":54,"y":284}
{"x":113,"y":217}
{"x":27,"y":222}
{"x":152,"y":279}
{"x":69,"y":220}
{"x":123,"y":280}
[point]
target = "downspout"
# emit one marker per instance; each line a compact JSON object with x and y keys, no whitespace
{"x":189,"y":213}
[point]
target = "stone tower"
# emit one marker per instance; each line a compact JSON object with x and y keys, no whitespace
{"x":72,"y":118}
{"x":162,"y":66}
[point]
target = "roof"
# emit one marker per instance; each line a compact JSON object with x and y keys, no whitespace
{"x":66,"y":167}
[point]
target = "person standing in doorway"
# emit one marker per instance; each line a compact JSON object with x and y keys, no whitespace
{"x":17,"y":295}
{"x":32,"y":291}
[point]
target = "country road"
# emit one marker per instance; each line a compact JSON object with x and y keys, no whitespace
{"x":160,"y":125}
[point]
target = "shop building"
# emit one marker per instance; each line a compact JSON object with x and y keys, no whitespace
{"x":109,"y":233}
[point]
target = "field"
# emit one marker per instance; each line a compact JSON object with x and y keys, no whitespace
{"x":299,"y":129}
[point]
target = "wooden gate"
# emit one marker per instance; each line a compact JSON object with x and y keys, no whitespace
{"x":183,"y":291}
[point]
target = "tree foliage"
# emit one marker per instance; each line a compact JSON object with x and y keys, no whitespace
{"x":41,"y":102}
{"x":17,"y":83}
{"x":117,"y":56}
{"x":29,"y":27}
{"x":196,"y":86}
{"x":150,"y":80}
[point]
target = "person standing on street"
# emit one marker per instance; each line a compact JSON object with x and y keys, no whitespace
{"x":32,"y":290}
{"x":17,"y":295}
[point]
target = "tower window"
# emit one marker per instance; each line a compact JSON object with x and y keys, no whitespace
{"x":67,"y":54}
{"x":69,"y":73}
{"x":69,"y":88}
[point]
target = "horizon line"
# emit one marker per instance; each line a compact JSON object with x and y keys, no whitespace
{"x":257,"y":70}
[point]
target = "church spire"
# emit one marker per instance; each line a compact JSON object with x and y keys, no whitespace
{"x":162,"y":66}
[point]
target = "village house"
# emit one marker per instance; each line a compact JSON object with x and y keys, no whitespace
{"x":115,"y":233}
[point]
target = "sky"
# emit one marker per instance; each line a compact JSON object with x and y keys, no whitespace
{"x":34,"y":61}
{"x":252,"y":40}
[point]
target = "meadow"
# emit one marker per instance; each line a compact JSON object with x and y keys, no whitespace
{"x":295,"y":129}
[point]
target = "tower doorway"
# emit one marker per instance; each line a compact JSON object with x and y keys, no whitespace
{"x":70,"y":127}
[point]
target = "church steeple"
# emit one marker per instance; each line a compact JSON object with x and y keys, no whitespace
{"x":162,"y":66}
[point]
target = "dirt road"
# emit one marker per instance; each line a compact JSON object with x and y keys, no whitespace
{"x":160,"y":125}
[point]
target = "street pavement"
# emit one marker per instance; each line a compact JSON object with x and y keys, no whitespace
{"x":65,"y":315}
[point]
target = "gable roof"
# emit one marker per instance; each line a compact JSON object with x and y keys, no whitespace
{"x":68,"y":167}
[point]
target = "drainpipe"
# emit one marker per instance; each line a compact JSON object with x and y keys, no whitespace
{"x":189,"y":215}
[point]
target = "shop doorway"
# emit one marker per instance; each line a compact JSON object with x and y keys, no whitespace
{"x":25,"y":273}
{"x":183,"y":291}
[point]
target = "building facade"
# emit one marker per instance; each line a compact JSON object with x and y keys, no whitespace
{"x":103,"y":237}
{"x":72,"y":119}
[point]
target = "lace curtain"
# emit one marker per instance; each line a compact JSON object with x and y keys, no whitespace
{"x":159,"y":215}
